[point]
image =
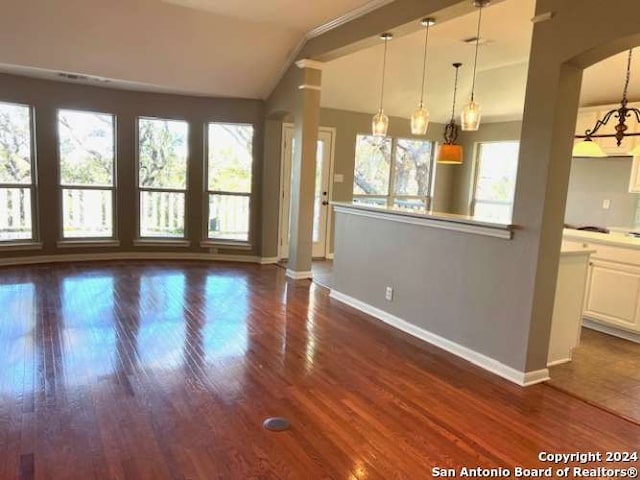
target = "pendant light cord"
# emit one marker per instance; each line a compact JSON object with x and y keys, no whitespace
{"x":424,"y":64}
{"x":455,"y":93}
{"x":384,"y":67}
{"x":627,"y":79}
{"x":475,"y":61}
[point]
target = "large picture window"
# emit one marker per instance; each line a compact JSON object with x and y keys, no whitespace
{"x":229,"y":176}
{"x":87,"y":172}
{"x":162,"y":177}
{"x":393,"y":172}
{"x":17,"y":173}
{"x":496,"y":172}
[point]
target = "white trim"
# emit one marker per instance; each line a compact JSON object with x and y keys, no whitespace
{"x":311,"y":64}
{"x":347,"y":17}
{"x":148,"y":242}
{"x":598,"y":327}
{"x":12,"y":246}
{"x":440,"y":221}
{"x":494,"y":366}
{"x":299,"y":275}
{"x":306,"y":86}
{"x":558,"y":362}
{"x":87,"y":243}
{"x":84,"y":257}
{"x":225,"y":245}
{"x":269,"y":260}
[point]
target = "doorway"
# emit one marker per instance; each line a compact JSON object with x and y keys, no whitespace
{"x":322,"y":212}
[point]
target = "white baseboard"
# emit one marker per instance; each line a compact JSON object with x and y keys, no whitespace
{"x":269,"y":260}
{"x":85,"y":257}
{"x":558,"y":362}
{"x":494,"y":366}
{"x":616,"y":332}
{"x":299,"y":275}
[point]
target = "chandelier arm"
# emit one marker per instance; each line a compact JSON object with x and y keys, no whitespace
{"x":636,"y":112}
{"x":600,"y":123}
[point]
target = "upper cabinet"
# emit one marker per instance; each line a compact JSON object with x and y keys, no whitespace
{"x":587,"y":118}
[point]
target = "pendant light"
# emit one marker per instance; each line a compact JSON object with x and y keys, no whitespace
{"x":471,"y":112}
{"x":449,"y":151}
{"x":420,"y":118}
{"x":380,"y":122}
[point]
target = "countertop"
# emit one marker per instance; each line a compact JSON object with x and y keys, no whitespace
{"x":613,"y":239}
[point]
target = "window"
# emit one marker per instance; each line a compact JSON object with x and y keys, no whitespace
{"x":87,"y":171}
{"x":393,"y":172}
{"x":17,"y":174}
{"x":162,"y":177}
{"x":230,"y":164}
{"x":496,"y":171}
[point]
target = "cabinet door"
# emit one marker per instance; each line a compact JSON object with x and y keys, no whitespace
{"x":613,"y":293}
{"x":634,"y":181}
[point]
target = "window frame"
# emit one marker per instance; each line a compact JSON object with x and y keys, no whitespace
{"x":476,"y":174}
{"x":139,"y":239}
{"x":32,"y":186}
{"x":81,"y":241}
{"x":208,"y":241}
{"x":391,"y":197}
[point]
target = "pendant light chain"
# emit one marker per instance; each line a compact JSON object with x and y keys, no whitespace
{"x":475,"y":61}
{"x":424,"y":64}
{"x":384,"y":67}
{"x":628,"y":78}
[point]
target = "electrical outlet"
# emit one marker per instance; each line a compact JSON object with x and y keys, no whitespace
{"x":388,"y":294}
{"x":606,"y":204}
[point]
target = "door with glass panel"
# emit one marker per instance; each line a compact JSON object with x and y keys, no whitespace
{"x":321,"y":207}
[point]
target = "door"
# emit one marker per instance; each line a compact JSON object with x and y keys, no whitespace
{"x":321,"y":207}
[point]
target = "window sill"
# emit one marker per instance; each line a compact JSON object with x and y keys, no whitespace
{"x":87,"y":243}
{"x":226,"y":244}
{"x":11,"y":246}
{"x":153,"y":242}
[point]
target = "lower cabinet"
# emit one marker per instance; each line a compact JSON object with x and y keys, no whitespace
{"x":613,"y":294}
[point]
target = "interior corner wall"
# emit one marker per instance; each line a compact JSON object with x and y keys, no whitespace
{"x":463,"y":176}
{"x":46,"y":97}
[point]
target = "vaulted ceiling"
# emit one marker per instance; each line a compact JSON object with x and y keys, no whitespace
{"x":230,"y":48}
{"x":240,"y":48}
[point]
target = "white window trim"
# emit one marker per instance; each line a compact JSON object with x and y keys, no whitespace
{"x":391,"y":196}
{"x":145,"y":241}
{"x":226,"y":243}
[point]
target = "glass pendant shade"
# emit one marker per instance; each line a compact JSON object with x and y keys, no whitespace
{"x":380,"y":124}
{"x":449,"y":154}
{"x":471,"y":117}
{"x":588,"y":148}
{"x":420,"y":121}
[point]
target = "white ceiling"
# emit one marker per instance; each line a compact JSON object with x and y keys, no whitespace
{"x":231,"y":48}
{"x":352,"y":82}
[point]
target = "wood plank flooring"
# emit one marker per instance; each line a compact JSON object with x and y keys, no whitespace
{"x":605,"y":371}
{"x":166,"y":371}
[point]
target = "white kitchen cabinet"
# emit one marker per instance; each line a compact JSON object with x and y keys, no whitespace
{"x":613,"y":294}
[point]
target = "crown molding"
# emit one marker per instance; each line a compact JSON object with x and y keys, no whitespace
{"x":347,"y":17}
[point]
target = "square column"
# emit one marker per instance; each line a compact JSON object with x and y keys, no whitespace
{"x":303,"y":168}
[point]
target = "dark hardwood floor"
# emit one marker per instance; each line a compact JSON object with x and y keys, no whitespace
{"x":605,"y":371}
{"x":166,"y":371}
